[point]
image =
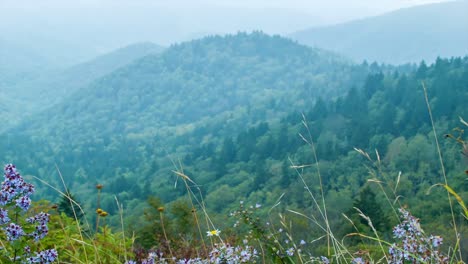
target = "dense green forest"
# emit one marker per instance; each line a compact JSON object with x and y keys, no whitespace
{"x":243,"y":116}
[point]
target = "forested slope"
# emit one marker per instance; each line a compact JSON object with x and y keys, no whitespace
{"x":223,"y":83}
{"x":386,"y":116}
{"x":229,"y":111}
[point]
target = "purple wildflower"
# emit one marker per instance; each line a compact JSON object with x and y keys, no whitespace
{"x":414,"y":246}
{"x":14,"y":190}
{"x":325,"y":260}
{"x":23,"y":202}
{"x":41,"y":219}
{"x":44,"y":257}
{"x":4,"y":216}
{"x":14,"y":232}
{"x":13,"y":186}
{"x":358,"y":261}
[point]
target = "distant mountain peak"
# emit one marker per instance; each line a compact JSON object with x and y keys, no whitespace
{"x":407,"y":35}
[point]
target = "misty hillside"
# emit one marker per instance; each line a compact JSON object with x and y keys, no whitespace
{"x":18,"y":63}
{"x":406,"y":35}
{"x":245,"y":117}
{"x":50,"y":86}
{"x":220,"y":83}
{"x":53,"y":86}
{"x":207,"y":78}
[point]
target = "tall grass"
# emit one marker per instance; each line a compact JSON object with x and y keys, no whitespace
{"x":269,"y":240}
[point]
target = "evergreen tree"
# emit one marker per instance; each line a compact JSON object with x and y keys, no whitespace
{"x":69,"y":206}
{"x":368,"y":204}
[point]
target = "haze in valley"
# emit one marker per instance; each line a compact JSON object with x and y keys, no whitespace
{"x":91,"y":28}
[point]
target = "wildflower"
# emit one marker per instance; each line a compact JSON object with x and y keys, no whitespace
{"x":46,"y":256}
{"x":290,"y":252}
{"x":14,"y":186}
{"x":23,"y":202}
{"x":436,"y":240}
{"x":398,"y":231}
{"x":302,"y":242}
{"x":41,"y":219}
{"x":4,"y":216}
{"x":15,"y":191}
{"x":214,"y":232}
{"x":14,"y":232}
{"x":103,"y":214}
{"x":258,"y":206}
{"x":325,"y":260}
{"x":358,"y":261}
{"x":414,"y":245}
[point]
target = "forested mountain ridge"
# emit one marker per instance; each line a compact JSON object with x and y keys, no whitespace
{"x":215,"y":85}
{"x":202,"y":79}
{"x":53,"y":86}
{"x":19,"y":63}
{"x":228,"y":110}
{"x":387,"y":115}
{"x":381,"y":114}
{"x":403,"y":36}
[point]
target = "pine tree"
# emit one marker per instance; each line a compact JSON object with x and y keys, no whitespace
{"x":69,"y":206}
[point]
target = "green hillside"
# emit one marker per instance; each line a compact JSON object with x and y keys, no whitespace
{"x":242,"y":116}
{"x":215,"y":86}
{"x":403,"y":36}
{"x":204,"y":79}
{"x":18,"y":63}
{"x":41,"y":84}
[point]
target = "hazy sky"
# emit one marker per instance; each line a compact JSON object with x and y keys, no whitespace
{"x":97,"y":26}
{"x":293,"y":4}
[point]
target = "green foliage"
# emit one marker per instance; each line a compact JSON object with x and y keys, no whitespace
{"x":69,"y":206}
{"x":369,"y":206}
{"x":226,"y":110}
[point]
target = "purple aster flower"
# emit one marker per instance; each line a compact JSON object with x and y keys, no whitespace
{"x":41,"y":219}
{"x":4,"y":216}
{"x":358,"y":261}
{"x":46,"y":256}
{"x":23,"y":202}
{"x":325,"y":260}
{"x":13,"y":232}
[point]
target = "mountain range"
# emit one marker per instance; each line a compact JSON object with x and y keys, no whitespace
{"x":404,"y":36}
{"x":39,"y":85}
{"x":233,"y":113}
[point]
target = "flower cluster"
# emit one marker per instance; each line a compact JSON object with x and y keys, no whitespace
{"x":41,"y":220}
{"x":14,"y":232}
{"x":13,"y":187}
{"x":15,"y":193}
{"x":46,"y":256}
{"x":226,"y":253}
{"x":415,"y":246}
{"x":223,"y":253}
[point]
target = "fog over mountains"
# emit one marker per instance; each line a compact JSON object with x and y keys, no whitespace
{"x":152,"y":103}
{"x":91,"y":28}
{"x":406,"y":35}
